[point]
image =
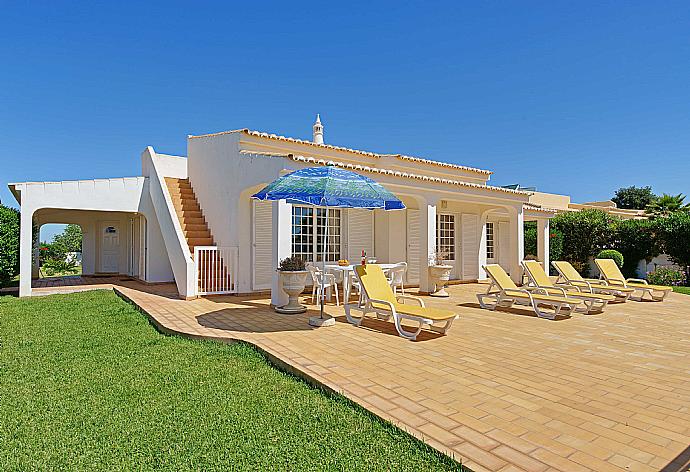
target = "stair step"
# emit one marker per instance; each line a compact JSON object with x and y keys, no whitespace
{"x":197,"y":234}
{"x":190,"y":221}
{"x":200,"y":241}
{"x":189,"y":214}
{"x":191,"y":206}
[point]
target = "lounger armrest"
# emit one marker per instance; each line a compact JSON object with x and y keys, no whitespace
{"x":637,"y":281}
{"x":507,"y":292}
{"x":571,"y":288}
{"x":546,"y":291}
{"x":383,"y":302}
{"x":410,"y":297}
{"x":616,"y":282}
{"x":581,"y":283}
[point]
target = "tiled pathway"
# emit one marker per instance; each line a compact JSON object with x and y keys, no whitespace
{"x":503,"y":391}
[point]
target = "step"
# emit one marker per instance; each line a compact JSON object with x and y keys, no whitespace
{"x":181,"y":193}
{"x":187,"y":206}
{"x":193,"y":221}
{"x":197,"y":234}
{"x":189,"y":214}
{"x":200,"y":241}
{"x":188,"y":227}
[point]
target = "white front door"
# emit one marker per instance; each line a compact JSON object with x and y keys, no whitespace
{"x":110,"y":247}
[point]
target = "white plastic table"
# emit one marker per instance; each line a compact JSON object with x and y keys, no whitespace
{"x":347,"y":271}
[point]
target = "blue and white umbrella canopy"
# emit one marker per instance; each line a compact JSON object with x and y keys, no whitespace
{"x":330,"y":187}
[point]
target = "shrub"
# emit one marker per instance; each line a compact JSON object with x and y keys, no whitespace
{"x":530,"y":237}
{"x":584,"y":233}
{"x":9,"y":243}
{"x":611,"y":254}
{"x":292,"y":264}
{"x":667,"y":276}
{"x":59,"y":266}
{"x":636,"y":240}
{"x":675,"y":236}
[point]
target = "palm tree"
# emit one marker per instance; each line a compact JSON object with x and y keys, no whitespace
{"x":667,"y":204}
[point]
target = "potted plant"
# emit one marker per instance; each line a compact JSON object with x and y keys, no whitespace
{"x":439,"y":273}
{"x":293,"y":276}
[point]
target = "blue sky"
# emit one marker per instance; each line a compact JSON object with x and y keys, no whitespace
{"x":573,"y":97}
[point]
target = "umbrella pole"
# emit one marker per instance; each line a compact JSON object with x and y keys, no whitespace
{"x":323,"y":260}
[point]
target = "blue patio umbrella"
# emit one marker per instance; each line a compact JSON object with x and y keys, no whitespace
{"x":330,"y":187}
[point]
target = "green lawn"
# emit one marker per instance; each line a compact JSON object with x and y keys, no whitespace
{"x":86,"y":383}
{"x":685,"y":290}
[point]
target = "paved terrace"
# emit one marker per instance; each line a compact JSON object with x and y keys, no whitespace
{"x":503,"y":391}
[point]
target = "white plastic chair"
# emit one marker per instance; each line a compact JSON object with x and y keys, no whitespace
{"x":328,"y":282}
{"x":396,"y":277}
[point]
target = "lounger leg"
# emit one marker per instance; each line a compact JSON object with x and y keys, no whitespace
{"x":482,"y":303}
{"x":406,"y":334}
{"x":353,"y":320}
{"x":442,"y":329}
{"x":546,"y":315}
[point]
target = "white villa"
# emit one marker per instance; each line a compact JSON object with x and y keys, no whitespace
{"x":191,"y":219}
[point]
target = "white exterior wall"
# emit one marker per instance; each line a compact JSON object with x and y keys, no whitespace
{"x":85,"y":202}
{"x":156,"y":167}
{"x":223,"y":181}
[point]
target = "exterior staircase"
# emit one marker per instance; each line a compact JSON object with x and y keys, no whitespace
{"x":189,"y":213}
{"x":213,"y":275}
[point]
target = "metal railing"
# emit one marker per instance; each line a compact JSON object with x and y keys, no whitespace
{"x":216,"y":269}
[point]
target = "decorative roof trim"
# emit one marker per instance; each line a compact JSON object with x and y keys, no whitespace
{"x":538,"y":208}
{"x":340,"y":148}
{"x":394,"y":173}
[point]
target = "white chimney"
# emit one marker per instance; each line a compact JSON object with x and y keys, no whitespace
{"x":318,"y":130}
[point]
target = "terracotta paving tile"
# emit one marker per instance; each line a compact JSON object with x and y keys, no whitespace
{"x":476,"y":438}
{"x":518,"y":458}
{"x":501,"y":390}
{"x":469,"y":452}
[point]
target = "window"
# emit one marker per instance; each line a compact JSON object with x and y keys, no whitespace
{"x":445,"y":235}
{"x":310,"y":221}
{"x":490,"y":251}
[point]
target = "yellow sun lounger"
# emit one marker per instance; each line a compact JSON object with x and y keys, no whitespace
{"x":567,"y":275}
{"x":538,"y":279}
{"x":378,"y":297}
{"x":504,"y":293}
{"x":613,"y":276}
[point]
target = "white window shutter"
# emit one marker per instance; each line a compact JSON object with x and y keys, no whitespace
{"x":360,"y":234}
{"x":262,"y":245}
{"x":413,"y":246}
{"x":504,"y":245}
{"x":470,"y":246}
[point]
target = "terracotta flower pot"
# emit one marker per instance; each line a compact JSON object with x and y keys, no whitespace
{"x":293,"y":283}
{"x":439,"y":275}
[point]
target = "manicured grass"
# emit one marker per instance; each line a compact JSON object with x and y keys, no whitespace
{"x":86,"y":383}
{"x":685,"y":290}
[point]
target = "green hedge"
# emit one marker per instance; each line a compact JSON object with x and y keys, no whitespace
{"x":584,"y":234}
{"x":9,"y":244}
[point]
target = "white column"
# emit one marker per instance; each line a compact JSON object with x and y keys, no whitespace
{"x":517,"y":243}
{"x":427,"y":243}
{"x":482,"y":245}
{"x":282,"y":247}
{"x":26,"y":250}
{"x":543,"y":238}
